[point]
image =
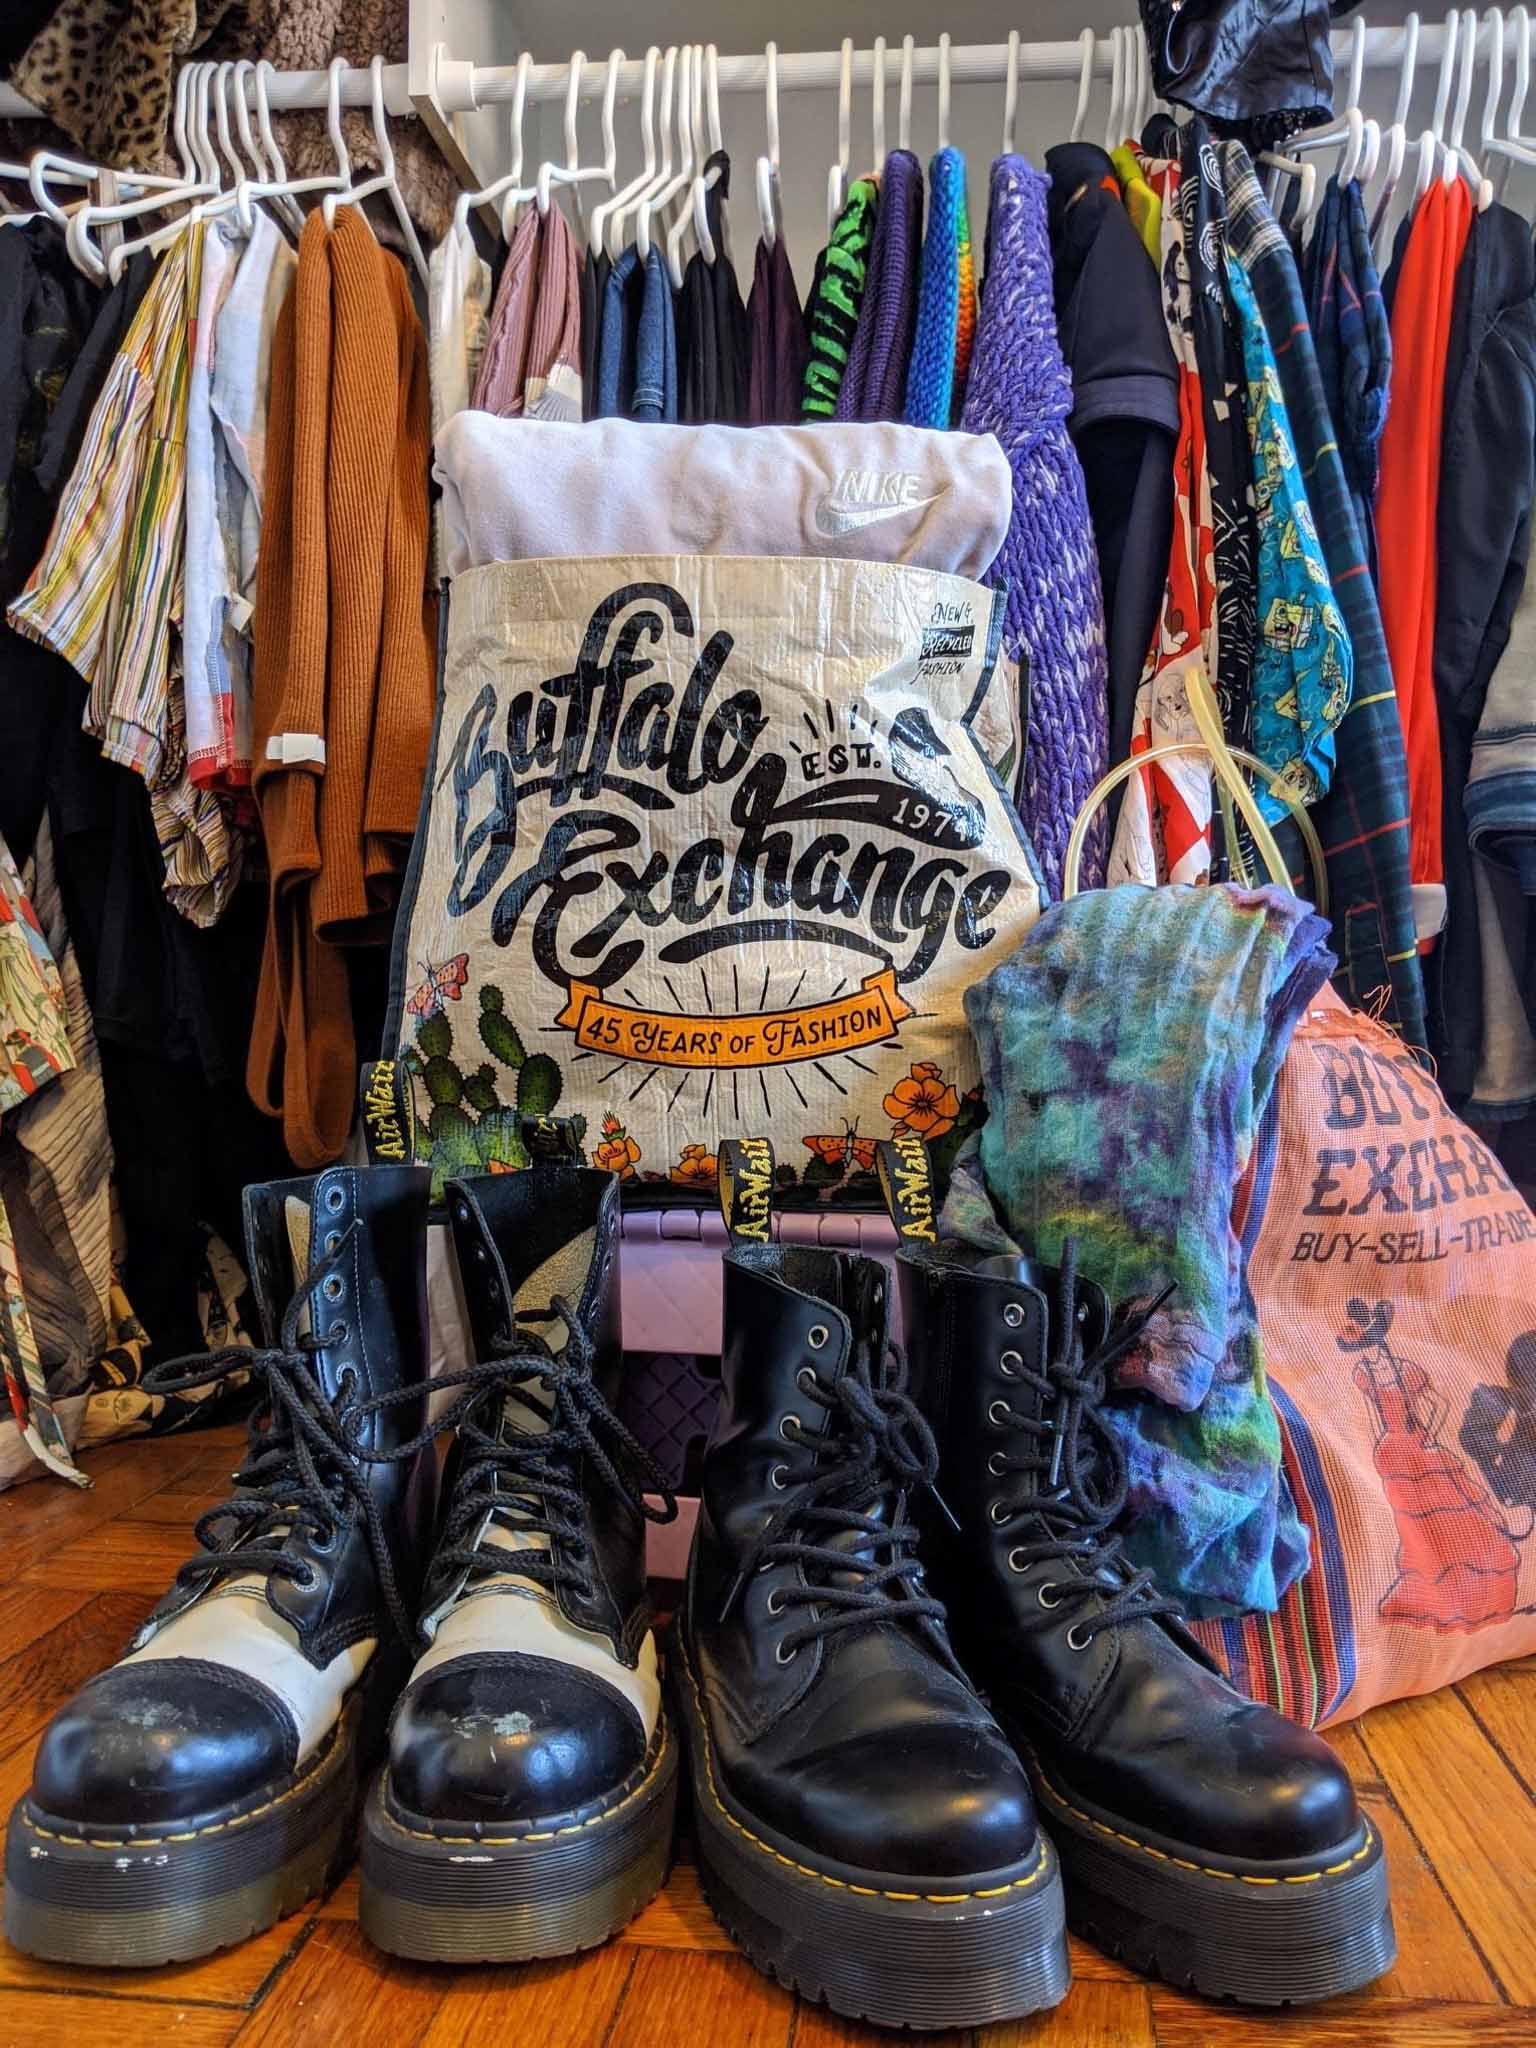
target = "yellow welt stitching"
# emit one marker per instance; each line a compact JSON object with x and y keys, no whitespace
{"x":1206,"y":1869}
{"x":544,"y":1835}
{"x":1019,"y":1884}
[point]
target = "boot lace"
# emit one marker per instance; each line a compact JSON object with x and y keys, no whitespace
{"x":872,"y":1450}
{"x":1083,"y":1466}
{"x":304,"y":1471}
{"x":534,"y":1477}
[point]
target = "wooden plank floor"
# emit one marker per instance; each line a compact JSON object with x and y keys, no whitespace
{"x":1450,"y":1781}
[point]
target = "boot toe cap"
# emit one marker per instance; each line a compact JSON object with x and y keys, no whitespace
{"x":510,"y":1738}
{"x":165,"y":1740}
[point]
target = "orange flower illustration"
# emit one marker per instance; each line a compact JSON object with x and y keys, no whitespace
{"x":923,"y":1105}
{"x":696,"y":1169}
{"x":618,"y":1150}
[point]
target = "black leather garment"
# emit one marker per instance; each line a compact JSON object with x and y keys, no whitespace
{"x":532,"y":1721}
{"x":238,"y":1790}
{"x":1257,"y":69}
{"x":1161,"y":1784}
{"x":865,"y":1831}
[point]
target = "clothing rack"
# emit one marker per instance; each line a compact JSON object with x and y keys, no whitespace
{"x":449,"y":86}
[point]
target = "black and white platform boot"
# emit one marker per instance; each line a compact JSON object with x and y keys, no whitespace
{"x":527,"y":1805}
{"x":207,"y":1783}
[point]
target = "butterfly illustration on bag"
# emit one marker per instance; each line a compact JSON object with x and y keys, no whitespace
{"x":443,"y":984}
{"x":845,"y":1152}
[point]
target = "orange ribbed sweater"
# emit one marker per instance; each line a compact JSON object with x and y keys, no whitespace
{"x":343,"y":676}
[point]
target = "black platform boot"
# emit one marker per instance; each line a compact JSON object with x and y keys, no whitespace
{"x":207,"y":1783}
{"x":1203,"y":1838}
{"x":528,"y":1803}
{"x":864,"y":1830}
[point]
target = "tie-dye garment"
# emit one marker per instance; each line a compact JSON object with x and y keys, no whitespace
{"x":1128,"y":1052}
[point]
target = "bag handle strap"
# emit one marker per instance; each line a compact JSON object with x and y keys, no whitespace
{"x":1225,"y":763}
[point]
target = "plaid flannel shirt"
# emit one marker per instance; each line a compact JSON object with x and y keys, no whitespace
{"x":1363,"y":820}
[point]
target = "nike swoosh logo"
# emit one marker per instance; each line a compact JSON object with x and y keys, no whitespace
{"x":833,"y":521}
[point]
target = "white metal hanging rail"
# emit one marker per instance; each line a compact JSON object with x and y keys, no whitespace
{"x":457,"y":87}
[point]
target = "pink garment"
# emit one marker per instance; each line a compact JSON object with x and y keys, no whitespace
{"x":553,"y":387}
{"x":499,"y":384}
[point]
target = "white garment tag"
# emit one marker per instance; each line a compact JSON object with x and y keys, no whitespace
{"x":239,"y":613}
{"x":290,"y":747}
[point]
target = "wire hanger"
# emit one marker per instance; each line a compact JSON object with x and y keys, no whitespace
{"x":837,"y":177}
{"x":904,"y":97}
{"x":597,"y":224}
{"x":1089,"y":45}
{"x":1011,"y":94}
{"x":572,"y":174}
{"x":384,"y":179}
{"x":769,"y":203}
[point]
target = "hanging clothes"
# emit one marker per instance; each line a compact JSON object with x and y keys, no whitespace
{"x":343,"y":684}
{"x":714,"y":340}
{"x":1141,"y":202}
{"x":552,"y":387}
{"x":837,"y":294}
{"x":946,"y":300}
{"x":594,"y":294}
{"x":1125,"y":407}
{"x":499,"y":381}
{"x":875,"y":385}
{"x":458,"y":322}
{"x":778,"y":340}
{"x":1125,"y":1108}
{"x":1405,"y":517}
{"x":1163,"y":830}
{"x":1303,"y":664}
{"x":637,"y":359}
{"x":1019,"y":390}
{"x":108,"y":591}
{"x":1482,"y":548}
{"x":1363,"y":820}
{"x":1500,"y":808}
{"x":1354,"y":346}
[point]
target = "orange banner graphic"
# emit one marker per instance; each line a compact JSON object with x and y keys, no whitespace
{"x":769,"y":1038}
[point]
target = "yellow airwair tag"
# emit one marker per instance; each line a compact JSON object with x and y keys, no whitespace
{"x":906,"y":1182}
{"x":745,"y":1182}
{"x":384,"y":1126}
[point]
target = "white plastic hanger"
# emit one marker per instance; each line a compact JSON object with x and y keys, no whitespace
{"x":944,"y":91}
{"x":904,"y":97}
{"x":1397,"y":133}
{"x":1114,"y":133}
{"x":511,"y":180}
{"x":277,"y":170}
{"x":837,"y":177}
{"x":276,"y":184}
{"x":877,"y":105}
{"x":620,"y":228}
{"x":663,"y":194}
{"x":691,"y":131}
{"x":706,"y":179}
{"x":384,"y":179}
{"x":1011,"y":94}
{"x":602,"y":213}
{"x":191,"y":95}
{"x":1347,"y":132}
{"x":1458,"y":158}
{"x":1432,"y":141}
{"x":1510,"y":147}
{"x":769,"y":214}
{"x":1089,"y":44}
{"x":572,"y":174}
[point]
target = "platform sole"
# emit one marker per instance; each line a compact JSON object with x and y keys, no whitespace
{"x":979,"y":1951}
{"x":1255,"y":1934}
{"x":167,"y":1895}
{"x":515,"y":1898}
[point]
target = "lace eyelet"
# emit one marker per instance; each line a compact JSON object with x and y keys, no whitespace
{"x":1075,"y":1641}
{"x":1011,"y":1364}
{"x":778,"y":1478}
{"x":789,"y":1428}
{"x":783,"y":1656}
{"x":334,"y":1198}
{"x":1041,"y":1592}
{"x":329,"y":1544}
{"x":310,"y":1580}
{"x":1013,"y":1315}
{"x":807,"y":1381}
{"x":776,"y":1604}
{"x":817,"y":1335}
{"x":337,"y":1334}
{"x":997,"y":1513}
{"x":332,"y":1239}
{"x":997,"y":1464}
{"x":331,"y":1287}
{"x":1017,"y":1562}
{"x":997,"y":1414}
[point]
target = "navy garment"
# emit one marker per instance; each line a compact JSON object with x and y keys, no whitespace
{"x":1125,"y":405}
{"x":655,"y":393}
{"x":1483,"y":542}
{"x":1354,"y":346}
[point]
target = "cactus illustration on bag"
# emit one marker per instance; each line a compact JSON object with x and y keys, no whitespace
{"x":468,"y":1119}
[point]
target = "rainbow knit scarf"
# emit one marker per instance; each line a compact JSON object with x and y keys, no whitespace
{"x":946,"y":301}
